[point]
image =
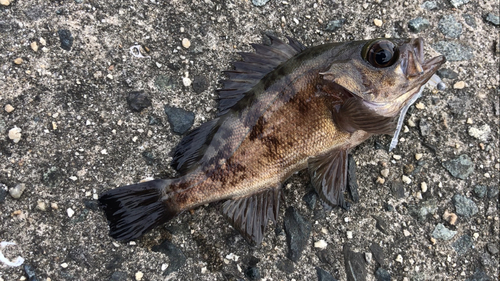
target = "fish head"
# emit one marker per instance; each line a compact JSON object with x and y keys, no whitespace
{"x":384,"y":73}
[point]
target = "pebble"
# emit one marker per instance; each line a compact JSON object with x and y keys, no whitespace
{"x":138,"y":101}
{"x":30,"y":272}
{"x":200,"y":84}
{"x":368,"y":257}
{"x":15,"y":134}
{"x":382,"y":275}
{"x":460,"y":167}
{"x":377,"y":22}
{"x":324,"y":275}
{"x":3,"y":192}
{"x":493,"y":191}
{"x":424,"y":209}
{"x":459,"y":85}
{"x":186,"y":43}
{"x":40,"y":205}
{"x":34,"y":46}
{"x":175,"y":255}
{"x":396,"y":156}
{"x":355,"y":264}
{"x":464,"y":206}
{"x":42,"y":41}
{"x":385,"y":173}
{"x":180,"y":120}
{"x":480,"y":191}
{"x":423,"y":187}
{"x":399,"y":259}
{"x":418,"y":24}
{"x":334,"y":25}
{"x":139,"y":275}
{"x":429,"y":5}
{"x":420,"y":105}
{"x":469,"y":121}
{"x":449,"y":26}
{"x":447,"y":73}
{"x":64,"y":265}
{"x":418,"y":156}
{"x":463,"y":244}
{"x":5,"y":2}
{"x":17,"y":191}
{"x":297,"y":231}
{"x":54,"y":206}
{"x":406,"y":179}
{"x":406,"y":233}
{"x":493,"y":19}
{"x":458,"y":3}
{"x":310,"y":199}
{"x":66,"y":39}
{"x":424,"y":127}
{"x":259,"y":3}
{"x":454,"y":51}
{"x":70,"y":212}
{"x":18,"y":61}
{"x":380,"y":180}
{"x":321,"y":244}
{"x":492,"y":248}
{"x":481,"y":133}
{"x":450,"y":217}
{"x":411,"y":123}
{"x":186,"y":81}
{"x":349,"y":234}
{"x":8,"y":108}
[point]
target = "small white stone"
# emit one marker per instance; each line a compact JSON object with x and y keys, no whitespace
{"x":411,"y":123}
{"x":9,"y":108}
{"x":418,"y":156}
{"x":377,"y":22}
{"x":321,"y":244}
{"x":349,"y":234}
{"x":186,"y":81}
{"x":5,"y":2}
{"x":139,"y":275}
{"x":70,"y":212}
{"x":476,"y":235}
{"x":104,"y":151}
{"x":15,"y":134}
{"x":406,"y":233}
{"x":17,"y":191}
{"x":346,"y":219}
{"x":397,"y":157}
{"x":204,"y":270}
{"x":34,"y":46}
{"x":40,"y":205}
{"x":186,"y":43}
{"x":54,"y":206}
{"x":423,"y":187}
{"x":42,"y":41}
{"x":368,"y":257}
{"x":459,"y":85}
{"x":420,"y":105}
{"x":73,"y":178}
{"x":385,"y":173}
{"x":469,"y":120}
{"x":64,"y":265}
{"x":164,"y":266}
{"x":406,"y":179}
{"x":399,"y":259}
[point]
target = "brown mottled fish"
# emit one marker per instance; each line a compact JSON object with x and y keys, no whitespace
{"x":282,"y":109}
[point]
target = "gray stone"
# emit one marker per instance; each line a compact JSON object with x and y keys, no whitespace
{"x":297,"y":231}
{"x":200,"y":84}
{"x":180,"y":120}
{"x":469,"y":20}
{"x":479,"y":275}
{"x":425,"y":208}
{"x":458,"y":3}
{"x":259,"y":3}
{"x":66,"y":39}
{"x":463,"y":244}
{"x":424,"y":127}
{"x":443,"y":233}
{"x":175,"y":255}
{"x":481,"y":133}
{"x":355,"y":265}
{"x":334,"y":25}
{"x":138,"y":101}
{"x":429,"y":5}
{"x":324,"y":275}
{"x":378,"y":253}
{"x":454,"y":51}
{"x":493,"y":191}
{"x":449,"y":26}
{"x":492,"y":248}
{"x":382,"y":275}
{"x":447,"y":73}
{"x":480,"y":191}
{"x":418,"y":24}
{"x":164,"y":83}
{"x":464,"y":206}
{"x":493,"y":19}
{"x":460,"y":167}
{"x":17,"y":191}
{"x":118,"y":276}
{"x":3,"y":192}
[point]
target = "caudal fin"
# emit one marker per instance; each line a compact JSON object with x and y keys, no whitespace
{"x":133,"y":210}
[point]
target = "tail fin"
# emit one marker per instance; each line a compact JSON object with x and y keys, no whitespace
{"x":133,"y":210}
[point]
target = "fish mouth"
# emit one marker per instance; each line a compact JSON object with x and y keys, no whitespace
{"x":413,"y":64}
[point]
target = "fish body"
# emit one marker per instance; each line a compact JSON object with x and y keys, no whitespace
{"x":282,"y":109}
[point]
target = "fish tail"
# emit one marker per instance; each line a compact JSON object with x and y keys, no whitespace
{"x":135,"y":209}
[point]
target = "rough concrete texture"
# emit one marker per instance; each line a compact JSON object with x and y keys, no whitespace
{"x":79,"y":137}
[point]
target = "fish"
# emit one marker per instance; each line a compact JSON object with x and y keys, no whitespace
{"x":282,"y":108}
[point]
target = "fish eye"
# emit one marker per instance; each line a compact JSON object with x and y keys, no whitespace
{"x":381,"y":53}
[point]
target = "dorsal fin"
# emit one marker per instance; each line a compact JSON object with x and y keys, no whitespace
{"x":245,"y":75}
{"x":253,"y":67}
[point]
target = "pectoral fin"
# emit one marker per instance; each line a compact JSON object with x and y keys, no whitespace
{"x":250,"y":215}
{"x":328,"y":174}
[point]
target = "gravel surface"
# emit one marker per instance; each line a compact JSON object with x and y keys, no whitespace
{"x":70,"y":131}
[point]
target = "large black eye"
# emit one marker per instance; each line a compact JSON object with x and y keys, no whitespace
{"x":381,"y":53}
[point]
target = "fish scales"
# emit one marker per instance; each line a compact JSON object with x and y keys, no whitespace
{"x":284,"y":108}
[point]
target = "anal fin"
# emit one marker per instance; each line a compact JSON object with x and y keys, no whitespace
{"x":250,"y":215}
{"x":328,"y":174}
